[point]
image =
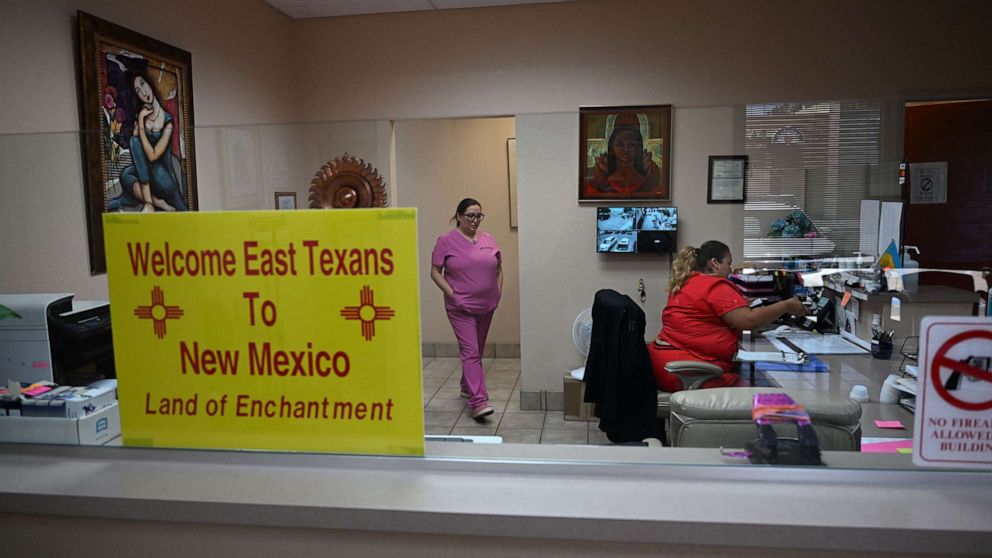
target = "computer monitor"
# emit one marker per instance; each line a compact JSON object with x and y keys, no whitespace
{"x":630,"y":230}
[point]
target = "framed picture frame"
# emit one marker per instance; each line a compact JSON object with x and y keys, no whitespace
{"x":137,"y":116}
{"x":285,"y":200}
{"x":511,"y":173}
{"x":727,"y":179}
{"x":625,"y":153}
{"x":241,"y":165}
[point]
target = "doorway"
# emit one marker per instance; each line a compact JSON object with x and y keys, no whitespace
{"x":956,"y":234}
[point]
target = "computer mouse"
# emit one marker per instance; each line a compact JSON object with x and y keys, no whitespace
{"x":782,"y":329}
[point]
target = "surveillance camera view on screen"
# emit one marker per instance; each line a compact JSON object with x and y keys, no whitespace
{"x":636,"y":229}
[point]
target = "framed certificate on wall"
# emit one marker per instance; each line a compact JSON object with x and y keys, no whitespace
{"x":727,"y":179}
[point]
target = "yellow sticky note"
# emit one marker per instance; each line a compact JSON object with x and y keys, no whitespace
{"x":268,"y":330}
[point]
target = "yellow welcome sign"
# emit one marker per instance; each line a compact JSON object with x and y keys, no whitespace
{"x":274,"y":330}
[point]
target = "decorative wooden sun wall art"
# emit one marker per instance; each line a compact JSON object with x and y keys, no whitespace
{"x":347,"y":182}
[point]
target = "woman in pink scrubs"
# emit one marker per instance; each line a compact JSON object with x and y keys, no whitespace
{"x":466,"y":265}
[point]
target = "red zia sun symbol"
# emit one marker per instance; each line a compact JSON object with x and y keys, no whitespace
{"x":158,"y":312}
{"x":367,"y":312}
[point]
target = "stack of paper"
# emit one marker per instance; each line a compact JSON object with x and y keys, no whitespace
{"x":906,"y":384}
{"x":908,"y":403}
{"x":69,"y":402}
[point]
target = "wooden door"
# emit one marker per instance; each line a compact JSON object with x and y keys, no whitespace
{"x":958,"y":234}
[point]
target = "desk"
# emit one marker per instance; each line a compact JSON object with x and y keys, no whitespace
{"x":845,"y":371}
{"x":754,"y":342}
{"x":928,"y":300}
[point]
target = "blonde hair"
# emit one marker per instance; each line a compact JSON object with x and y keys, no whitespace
{"x":692,"y":259}
{"x":685,"y":264}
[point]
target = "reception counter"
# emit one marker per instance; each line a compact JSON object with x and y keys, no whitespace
{"x":479,"y":500}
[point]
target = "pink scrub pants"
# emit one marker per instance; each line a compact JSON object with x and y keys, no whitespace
{"x":471,"y":331}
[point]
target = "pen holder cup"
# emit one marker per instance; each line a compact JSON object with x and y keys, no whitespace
{"x":881,"y":349}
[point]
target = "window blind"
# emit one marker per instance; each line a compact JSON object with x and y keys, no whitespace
{"x":810,"y":165}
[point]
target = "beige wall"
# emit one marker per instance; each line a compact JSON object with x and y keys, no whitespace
{"x":241,"y":53}
{"x":556,"y":57}
{"x":439,"y":162}
{"x":240,"y":75}
{"x":241,"y":167}
{"x":539,"y":62}
{"x":561,"y":271}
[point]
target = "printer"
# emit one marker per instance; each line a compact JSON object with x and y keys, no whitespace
{"x":51,"y":337}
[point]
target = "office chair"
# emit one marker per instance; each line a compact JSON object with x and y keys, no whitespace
{"x":692,"y":373}
{"x":619,"y":378}
{"x":721,"y":417}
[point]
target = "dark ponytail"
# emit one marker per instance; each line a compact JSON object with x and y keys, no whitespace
{"x":462,"y":206}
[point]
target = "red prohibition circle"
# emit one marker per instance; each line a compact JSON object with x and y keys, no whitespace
{"x":940,"y":360}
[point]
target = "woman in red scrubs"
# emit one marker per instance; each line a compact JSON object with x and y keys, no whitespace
{"x":705,"y":315}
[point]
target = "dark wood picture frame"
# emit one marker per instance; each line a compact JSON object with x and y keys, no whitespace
{"x":283,"y":199}
{"x":511,"y":175}
{"x":136,"y":102}
{"x":727,"y":179}
{"x":635,"y":133}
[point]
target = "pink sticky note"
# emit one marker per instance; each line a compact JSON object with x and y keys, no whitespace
{"x":899,"y":446}
{"x":889,"y":424}
{"x":37,"y":390}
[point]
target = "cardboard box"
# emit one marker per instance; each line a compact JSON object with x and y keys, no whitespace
{"x":92,"y":430}
{"x":575,"y":409}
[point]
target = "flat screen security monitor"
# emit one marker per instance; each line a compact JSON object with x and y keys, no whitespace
{"x":629,"y":230}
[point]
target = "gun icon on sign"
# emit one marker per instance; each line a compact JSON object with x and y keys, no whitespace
{"x":953,"y":382}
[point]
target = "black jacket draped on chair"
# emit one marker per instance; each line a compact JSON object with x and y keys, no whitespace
{"x":618,"y":375}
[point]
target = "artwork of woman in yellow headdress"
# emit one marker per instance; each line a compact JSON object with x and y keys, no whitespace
{"x":626,"y":167}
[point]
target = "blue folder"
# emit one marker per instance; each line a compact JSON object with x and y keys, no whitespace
{"x":814,"y":365}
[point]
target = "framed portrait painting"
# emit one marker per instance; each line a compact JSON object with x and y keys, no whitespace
{"x":137,"y":115}
{"x":625,"y":153}
{"x":511,"y":173}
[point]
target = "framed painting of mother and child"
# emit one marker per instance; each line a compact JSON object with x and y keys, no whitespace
{"x":625,"y":153}
{"x":137,"y":103}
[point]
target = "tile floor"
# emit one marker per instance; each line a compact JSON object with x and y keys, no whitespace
{"x":445,"y":413}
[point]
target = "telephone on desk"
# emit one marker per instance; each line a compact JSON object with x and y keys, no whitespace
{"x":819,"y":317}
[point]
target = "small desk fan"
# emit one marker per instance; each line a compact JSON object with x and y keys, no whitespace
{"x":582,"y":331}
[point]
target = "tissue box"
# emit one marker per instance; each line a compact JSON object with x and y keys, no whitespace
{"x":575,"y":409}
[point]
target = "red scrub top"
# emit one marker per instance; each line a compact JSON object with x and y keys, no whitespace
{"x":692,"y":319}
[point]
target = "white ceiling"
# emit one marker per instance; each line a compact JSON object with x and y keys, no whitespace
{"x":301,"y":9}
